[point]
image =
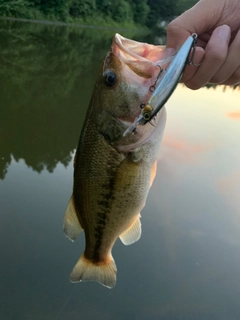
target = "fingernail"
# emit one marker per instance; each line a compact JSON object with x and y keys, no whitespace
{"x":224,"y":32}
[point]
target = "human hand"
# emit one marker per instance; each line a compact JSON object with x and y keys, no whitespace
{"x":217,"y":24}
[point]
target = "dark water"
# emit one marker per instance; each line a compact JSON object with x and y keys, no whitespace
{"x":187,"y":263}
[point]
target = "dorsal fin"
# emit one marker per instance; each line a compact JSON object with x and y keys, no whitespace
{"x":133,"y":233}
{"x":71,"y":224}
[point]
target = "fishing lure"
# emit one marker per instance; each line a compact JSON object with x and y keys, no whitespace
{"x":170,"y":78}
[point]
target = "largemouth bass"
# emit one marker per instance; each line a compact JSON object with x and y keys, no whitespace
{"x":113,"y":171}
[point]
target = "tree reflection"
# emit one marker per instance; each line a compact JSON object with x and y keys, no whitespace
{"x":47,"y":75}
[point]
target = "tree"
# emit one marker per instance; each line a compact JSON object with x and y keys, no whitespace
{"x":140,"y":10}
{"x":82,"y":8}
{"x":57,"y":8}
{"x":184,"y":5}
{"x":161,"y":9}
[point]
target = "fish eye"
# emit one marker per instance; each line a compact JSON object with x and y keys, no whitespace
{"x":110,"y":78}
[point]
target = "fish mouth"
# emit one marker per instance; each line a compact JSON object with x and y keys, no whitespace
{"x":151,"y":132}
{"x":143,"y":63}
{"x":140,"y":66}
{"x":142,"y":58}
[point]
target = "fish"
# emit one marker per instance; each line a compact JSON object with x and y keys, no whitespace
{"x":113,"y":171}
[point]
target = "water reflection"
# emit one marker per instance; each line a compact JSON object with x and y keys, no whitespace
{"x":234,"y":115}
{"x":47,"y":75}
{"x":185,"y":266}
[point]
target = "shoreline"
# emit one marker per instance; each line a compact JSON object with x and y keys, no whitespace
{"x":70,"y":24}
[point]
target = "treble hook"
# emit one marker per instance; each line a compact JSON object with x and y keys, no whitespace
{"x":153,"y":87}
{"x":190,"y":61}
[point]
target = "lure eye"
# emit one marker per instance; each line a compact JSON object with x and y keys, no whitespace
{"x":146,"y":116}
{"x":110,"y":78}
{"x":147,"y":111}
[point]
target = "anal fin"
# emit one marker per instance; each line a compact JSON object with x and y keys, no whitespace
{"x":133,"y":233}
{"x":71,"y":224}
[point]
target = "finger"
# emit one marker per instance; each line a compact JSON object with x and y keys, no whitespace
{"x":199,"y":19}
{"x":190,"y":70}
{"x":231,"y":64}
{"x":234,"y":79}
{"x":215,"y":55}
{"x":204,"y":38}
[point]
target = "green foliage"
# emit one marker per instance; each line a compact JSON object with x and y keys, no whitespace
{"x":140,"y":10}
{"x":17,"y":8}
{"x":161,"y":9}
{"x":82,"y":8}
{"x":183,"y":5}
{"x":54,"y":8}
{"x":121,"y":11}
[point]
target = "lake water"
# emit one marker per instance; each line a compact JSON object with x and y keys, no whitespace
{"x":186,"y":264}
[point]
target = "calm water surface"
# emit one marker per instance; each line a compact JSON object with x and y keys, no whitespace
{"x":187,"y":263}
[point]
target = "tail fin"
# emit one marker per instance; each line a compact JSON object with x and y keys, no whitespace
{"x":86,"y":270}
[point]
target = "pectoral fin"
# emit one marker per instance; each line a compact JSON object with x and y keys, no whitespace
{"x":153,"y":172}
{"x":133,"y":233}
{"x":71,"y":225}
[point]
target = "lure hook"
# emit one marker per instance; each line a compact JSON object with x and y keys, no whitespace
{"x":190,"y":61}
{"x":153,"y":87}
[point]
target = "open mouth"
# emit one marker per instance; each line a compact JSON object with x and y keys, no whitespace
{"x":142,"y":58}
